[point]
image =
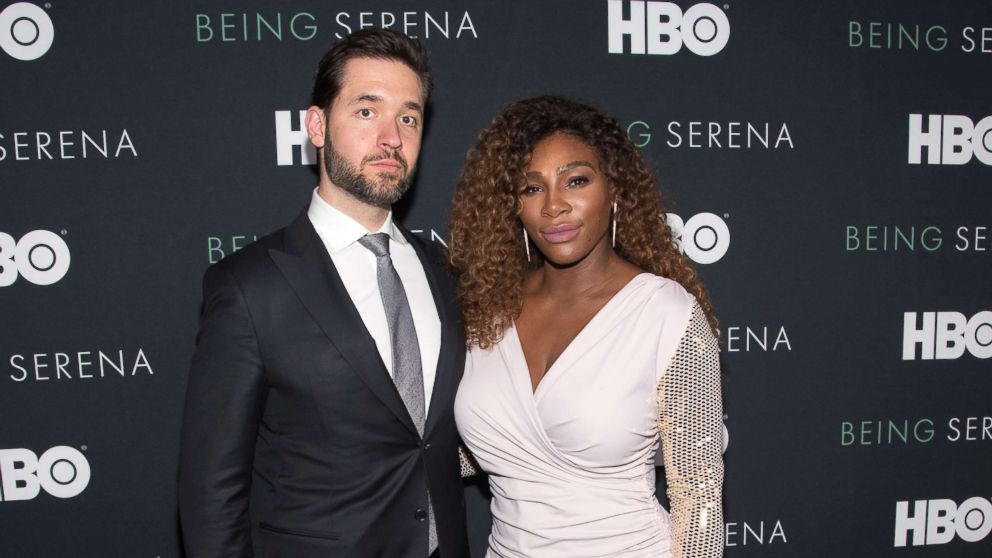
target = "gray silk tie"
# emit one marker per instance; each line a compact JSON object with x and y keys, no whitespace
{"x":407,"y":369}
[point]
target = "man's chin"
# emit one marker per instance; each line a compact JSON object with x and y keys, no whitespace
{"x":387,"y":193}
{"x":386,"y":178}
{"x":390,"y":182}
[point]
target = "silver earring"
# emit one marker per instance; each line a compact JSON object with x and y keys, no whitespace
{"x":614,"y":224}
{"x":527,"y":245}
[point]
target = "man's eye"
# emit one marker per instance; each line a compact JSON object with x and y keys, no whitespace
{"x":409,"y":120}
{"x":365,"y":112}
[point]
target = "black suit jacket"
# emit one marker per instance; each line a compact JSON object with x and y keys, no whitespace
{"x":295,"y":442}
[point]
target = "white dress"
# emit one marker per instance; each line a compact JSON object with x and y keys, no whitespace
{"x":572,"y":465}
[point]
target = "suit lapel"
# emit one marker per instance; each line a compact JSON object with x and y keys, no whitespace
{"x":312,"y":275}
{"x":445,"y":373}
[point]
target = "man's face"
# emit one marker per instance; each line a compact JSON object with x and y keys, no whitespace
{"x":372,"y":136}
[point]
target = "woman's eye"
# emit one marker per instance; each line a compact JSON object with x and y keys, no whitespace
{"x":530,"y":189}
{"x":578,"y":181}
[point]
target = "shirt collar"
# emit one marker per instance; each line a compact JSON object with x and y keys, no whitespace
{"x":338,"y":230}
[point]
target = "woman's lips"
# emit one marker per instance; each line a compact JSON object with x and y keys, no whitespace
{"x":559,"y":234}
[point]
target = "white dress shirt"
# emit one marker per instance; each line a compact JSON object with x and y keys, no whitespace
{"x":357,"y":267}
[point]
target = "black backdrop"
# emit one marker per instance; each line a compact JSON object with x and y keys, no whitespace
{"x":829,"y":162}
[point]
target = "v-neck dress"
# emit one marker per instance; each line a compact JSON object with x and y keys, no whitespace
{"x":572,"y":465}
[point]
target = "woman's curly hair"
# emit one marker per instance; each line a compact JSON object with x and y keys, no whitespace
{"x":486,"y":247}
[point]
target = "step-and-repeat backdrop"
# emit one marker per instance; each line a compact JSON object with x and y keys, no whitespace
{"x":828,"y":165}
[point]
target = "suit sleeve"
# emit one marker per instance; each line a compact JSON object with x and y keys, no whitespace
{"x":224,"y":400}
{"x":690,"y":420}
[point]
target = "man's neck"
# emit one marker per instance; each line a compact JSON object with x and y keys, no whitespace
{"x":369,"y":216}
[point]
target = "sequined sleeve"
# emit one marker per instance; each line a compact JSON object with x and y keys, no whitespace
{"x":690,"y":420}
{"x":468,"y":466}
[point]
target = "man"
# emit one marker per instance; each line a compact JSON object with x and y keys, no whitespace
{"x":318,"y":416}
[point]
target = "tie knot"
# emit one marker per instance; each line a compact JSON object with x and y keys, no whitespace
{"x":377,"y":243}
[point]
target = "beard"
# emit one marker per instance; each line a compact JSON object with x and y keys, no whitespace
{"x":383,"y":190}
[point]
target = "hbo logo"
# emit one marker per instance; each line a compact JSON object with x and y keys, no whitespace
{"x":62,"y":471}
{"x":662,"y":28}
{"x":938,"y":521}
{"x":950,"y":139}
{"x":288,"y":136}
{"x":947,"y":335}
{"x":26,"y":31}
{"x":705,"y":237}
{"x":41,"y":257}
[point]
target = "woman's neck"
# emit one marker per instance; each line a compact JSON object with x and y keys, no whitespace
{"x":583,"y":278}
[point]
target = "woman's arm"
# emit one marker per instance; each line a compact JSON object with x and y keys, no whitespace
{"x":690,"y":420}
{"x":468,"y":466}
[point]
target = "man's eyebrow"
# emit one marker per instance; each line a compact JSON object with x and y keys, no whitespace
{"x":374,"y":98}
{"x":367,"y":98}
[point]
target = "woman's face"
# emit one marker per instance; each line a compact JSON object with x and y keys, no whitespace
{"x":565,"y":200}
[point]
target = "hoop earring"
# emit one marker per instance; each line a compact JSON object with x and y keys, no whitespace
{"x":526,"y":244}
{"x":614,"y":224}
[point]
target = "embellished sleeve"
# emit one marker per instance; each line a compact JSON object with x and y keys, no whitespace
{"x":468,"y":466}
{"x":690,"y":420}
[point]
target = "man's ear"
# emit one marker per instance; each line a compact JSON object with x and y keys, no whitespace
{"x":316,"y":126}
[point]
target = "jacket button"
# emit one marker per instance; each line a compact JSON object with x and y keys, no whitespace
{"x":420,"y":515}
{"x":427,"y":446}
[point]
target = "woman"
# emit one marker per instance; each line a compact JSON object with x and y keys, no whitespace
{"x":591,"y":342}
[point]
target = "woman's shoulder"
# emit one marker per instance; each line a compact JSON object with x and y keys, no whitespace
{"x":662,"y":301}
{"x":662,"y":290}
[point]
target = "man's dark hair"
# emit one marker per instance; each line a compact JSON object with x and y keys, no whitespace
{"x":382,"y":44}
